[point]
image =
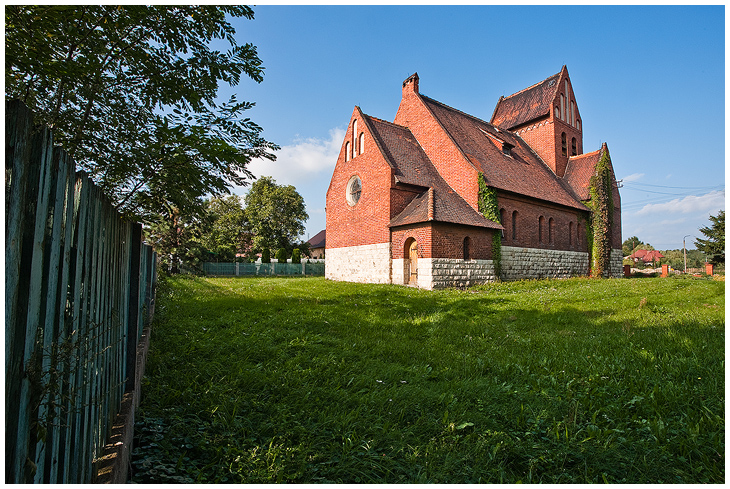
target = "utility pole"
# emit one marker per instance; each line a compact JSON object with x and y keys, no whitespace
{"x":684,"y":247}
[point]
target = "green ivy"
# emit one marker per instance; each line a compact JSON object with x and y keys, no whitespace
{"x":601,"y":222}
{"x":489,"y":208}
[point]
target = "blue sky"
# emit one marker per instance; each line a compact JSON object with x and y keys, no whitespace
{"x":648,"y":80}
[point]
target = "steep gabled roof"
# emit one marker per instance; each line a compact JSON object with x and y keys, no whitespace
{"x":412,"y":167}
{"x":521,"y":171}
{"x":579,"y":171}
{"x":318,"y":240}
{"x":526,"y":105}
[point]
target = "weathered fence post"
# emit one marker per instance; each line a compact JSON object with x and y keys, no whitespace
{"x":70,"y":267}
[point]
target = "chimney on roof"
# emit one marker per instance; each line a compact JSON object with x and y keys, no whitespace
{"x":410,"y":85}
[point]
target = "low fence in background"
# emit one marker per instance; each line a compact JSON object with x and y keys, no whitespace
{"x":308,"y":268}
{"x":79,"y":289}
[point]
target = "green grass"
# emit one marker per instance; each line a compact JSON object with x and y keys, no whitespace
{"x":553,"y":381}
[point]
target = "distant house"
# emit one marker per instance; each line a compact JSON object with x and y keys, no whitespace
{"x":317,"y":244}
{"x":646,"y":256}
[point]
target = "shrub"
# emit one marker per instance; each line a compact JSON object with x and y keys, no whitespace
{"x":296,"y":256}
{"x":266,"y":256}
{"x":281,"y":255}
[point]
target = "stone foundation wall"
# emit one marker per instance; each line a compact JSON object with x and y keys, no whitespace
{"x":533,"y":263}
{"x":365,"y":264}
{"x":439,"y":273}
{"x":617,"y":264}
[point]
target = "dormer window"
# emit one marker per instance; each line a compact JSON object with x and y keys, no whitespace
{"x":507,"y":148}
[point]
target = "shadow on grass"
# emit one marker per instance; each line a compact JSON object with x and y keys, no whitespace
{"x":286,"y":380}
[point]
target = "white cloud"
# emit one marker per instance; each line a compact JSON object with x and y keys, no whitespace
{"x":633,"y":177}
{"x":712,"y":201}
{"x":303,"y":161}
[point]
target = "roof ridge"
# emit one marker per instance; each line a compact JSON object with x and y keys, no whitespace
{"x":461,"y":112}
{"x":583,"y":155}
{"x":533,"y":85}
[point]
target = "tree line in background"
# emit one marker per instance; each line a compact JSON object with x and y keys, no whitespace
{"x":131,"y":93}
{"x":267,"y":222}
{"x":711,"y":249}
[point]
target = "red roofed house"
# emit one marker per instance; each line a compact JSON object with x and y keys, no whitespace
{"x":403,"y":205}
{"x":317,"y":244}
{"x":646,"y":256}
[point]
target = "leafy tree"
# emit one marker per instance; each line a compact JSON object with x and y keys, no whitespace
{"x":130,"y":92}
{"x":714,"y":245}
{"x":630,"y":244}
{"x":266,"y":256}
{"x":276,"y":214}
{"x":177,"y":242}
{"x":227,"y":231}
{"x":296,"y":256}
{"x":281,"y":255}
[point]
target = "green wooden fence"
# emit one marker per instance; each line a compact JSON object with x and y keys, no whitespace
{"x":79,"y":288}
{"x":262,"y":269}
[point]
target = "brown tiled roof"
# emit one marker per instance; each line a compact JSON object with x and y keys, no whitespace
{"x":412,"y":166}
{"x":526,"y":105}
{"x":522,"y":172}
{"x":318,"y":240}
{"x":579,"y":171}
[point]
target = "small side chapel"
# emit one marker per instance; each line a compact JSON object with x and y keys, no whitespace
{"x":440,"y":198}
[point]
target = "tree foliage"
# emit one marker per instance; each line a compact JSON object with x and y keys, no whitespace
{"x":276,"y":214}
{"x":489,"y":208}
{"x":130,"y":92}
{"x":714,"y":245}
{"x":227,"y":232}
{"x":601,"y":204}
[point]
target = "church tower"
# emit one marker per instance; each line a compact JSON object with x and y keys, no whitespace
{"x":546,"y":116}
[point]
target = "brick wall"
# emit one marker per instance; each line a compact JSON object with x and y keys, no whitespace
{"x":437,"y":144}
{"x":367,"y":221}
{"x":545,"y":135}
{"x":528,"y":224}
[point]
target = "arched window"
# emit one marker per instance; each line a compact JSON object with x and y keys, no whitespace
{"x":570,"y":234}
{"x":573,"y":147}
{"x":501,"y":219}
{"x":514,"y":225}
{"x":539,"y":228}
{"x":562,"y":106}
{"x":354,"y":138}
{"x":577,"y":124}
{"x":467,"y":246}
{"x":557,"y":112}
{"x":551,"y":225}
{"x":564,"y":142}
{"x":572,"y":113}
{"x":347,"y":151}
{"x":361,"y":143}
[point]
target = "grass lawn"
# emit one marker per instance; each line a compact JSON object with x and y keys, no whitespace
{"x":553,"y":381}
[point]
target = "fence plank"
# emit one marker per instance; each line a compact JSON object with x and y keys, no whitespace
{"x":17,"y":154}
{"x":70,"y":265}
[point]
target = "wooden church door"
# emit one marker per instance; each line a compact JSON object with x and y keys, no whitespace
{"x":413,"y":258}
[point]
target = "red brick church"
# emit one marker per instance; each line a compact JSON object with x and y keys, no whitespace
{"x":440,"y":198}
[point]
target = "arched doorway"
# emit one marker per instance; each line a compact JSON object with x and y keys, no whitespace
{"x":411,"y":261}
